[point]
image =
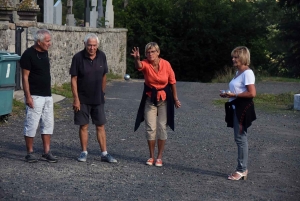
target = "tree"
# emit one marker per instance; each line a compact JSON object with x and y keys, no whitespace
{"x":289,"y":36}
{"x":197,"y":36}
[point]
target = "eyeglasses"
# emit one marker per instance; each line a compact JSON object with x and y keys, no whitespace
{"x":37,"y":55}
{"x":151,"y":52}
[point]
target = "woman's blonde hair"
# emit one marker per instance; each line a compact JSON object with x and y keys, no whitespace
{"x":150,"y":45}
{"x":243,"y":54}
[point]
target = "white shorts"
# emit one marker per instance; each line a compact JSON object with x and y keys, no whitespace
{"x":41,"y":114}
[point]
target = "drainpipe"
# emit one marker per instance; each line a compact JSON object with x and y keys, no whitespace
{"x":19,"y":30}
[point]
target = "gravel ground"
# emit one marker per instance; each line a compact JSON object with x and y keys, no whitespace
{"x":198,"y":155}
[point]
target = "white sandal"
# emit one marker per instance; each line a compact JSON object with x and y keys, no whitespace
{"x":241,"y":175}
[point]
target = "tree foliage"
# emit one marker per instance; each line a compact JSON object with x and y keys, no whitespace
{"x":289,"y":36}
{"x":197,"y":36}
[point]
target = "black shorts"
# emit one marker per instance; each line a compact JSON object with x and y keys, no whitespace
{"x":95,"y":111}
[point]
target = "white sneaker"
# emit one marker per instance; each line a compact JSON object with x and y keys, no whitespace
{"x":82,"y":157}
{"x":108,"y":158}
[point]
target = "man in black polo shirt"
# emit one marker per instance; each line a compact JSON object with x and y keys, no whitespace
{"x":88,"y":81}
{"x":36,"y":81}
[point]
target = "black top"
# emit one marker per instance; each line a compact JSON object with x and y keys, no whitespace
{"x":39,"y":66}
{"x":170,"y":106}
{"x":89,"y":76}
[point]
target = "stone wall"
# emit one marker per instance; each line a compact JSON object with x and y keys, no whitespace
{"x":7,"y":37}
{"x":67,"y":41}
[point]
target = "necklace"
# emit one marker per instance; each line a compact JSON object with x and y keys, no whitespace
{"x":43,"y":55}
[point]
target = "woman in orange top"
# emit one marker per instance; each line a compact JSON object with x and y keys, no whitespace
{"x":159,"y":98}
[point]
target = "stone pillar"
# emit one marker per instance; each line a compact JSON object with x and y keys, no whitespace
{"x":57,"y":14}
{"x":100,"y":14}
{"x":15,"y":15}
{"x":93,"y":14}
{"x":70,"y":17}
{"x":87,"y":13}
{"x":109,"y":14}
{"x":28,"y":10}
{"x":6,"y":11}
{"x":48,"y":11}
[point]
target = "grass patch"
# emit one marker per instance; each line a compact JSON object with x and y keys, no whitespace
{"x":56,"y":109}
{"x":272,"y":102}
{"x":220,"y":101}
{"x":277,"y":79}
{"x":64,"y":90}
{"x":268,"y":102}
{"x":225,"y":75}
{"x":18,"y":107}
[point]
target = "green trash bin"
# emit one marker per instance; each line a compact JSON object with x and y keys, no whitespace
{"x":8,"y":63}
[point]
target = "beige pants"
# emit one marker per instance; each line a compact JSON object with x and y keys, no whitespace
{"x":156,"y":120}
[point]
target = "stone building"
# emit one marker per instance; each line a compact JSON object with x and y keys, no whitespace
{"x":17,"y":36}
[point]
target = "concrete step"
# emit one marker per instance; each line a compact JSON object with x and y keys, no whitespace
{"x":19,"y":95}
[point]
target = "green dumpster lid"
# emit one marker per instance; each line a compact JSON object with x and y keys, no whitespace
{"x":8,"y":56}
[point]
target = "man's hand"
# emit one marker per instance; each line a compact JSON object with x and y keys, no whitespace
{"x":29,"y":102}
{"x":76,"y":105}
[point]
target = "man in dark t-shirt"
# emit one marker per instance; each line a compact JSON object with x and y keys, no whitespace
{"x":36,"y":81}
{"x":88,"y":81}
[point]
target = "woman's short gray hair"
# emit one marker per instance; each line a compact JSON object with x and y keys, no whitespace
{"x":91,"y":36}
{"x":150,"y":45}
{"x":40,"y":35}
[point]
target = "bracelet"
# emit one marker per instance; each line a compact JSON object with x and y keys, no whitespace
{"x":176,"y":100}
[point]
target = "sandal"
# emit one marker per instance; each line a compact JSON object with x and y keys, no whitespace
{"x":238,"y":175}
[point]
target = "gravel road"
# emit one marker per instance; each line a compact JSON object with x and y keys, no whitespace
{"x":198,"y":155}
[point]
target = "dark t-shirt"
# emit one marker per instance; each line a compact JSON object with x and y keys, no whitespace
{"x":39,"y":66}
{"x":89,"y":76}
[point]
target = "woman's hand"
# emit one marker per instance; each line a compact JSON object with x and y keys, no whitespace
{"x":136,"y":53}
{"x":223,"y":95}
{"x":177,"y":104}
{"x":227,"y":95}
{"x":230,"y":95}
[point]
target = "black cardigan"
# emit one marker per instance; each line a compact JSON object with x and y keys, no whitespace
{"x":245,"y":112}
{"x":170,"y":105}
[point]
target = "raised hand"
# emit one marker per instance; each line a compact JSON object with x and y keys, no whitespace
{"x":136,"y":53}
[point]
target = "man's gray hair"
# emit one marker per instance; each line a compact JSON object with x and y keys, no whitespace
{"x":91,"y":36}
{"x":40,"y":35}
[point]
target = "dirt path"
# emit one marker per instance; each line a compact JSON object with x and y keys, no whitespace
{"x":198,"y":156}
